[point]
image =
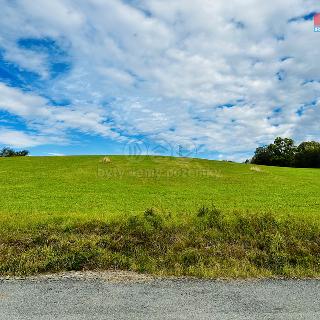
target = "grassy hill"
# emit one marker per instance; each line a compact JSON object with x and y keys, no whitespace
{"x":158,"y":214}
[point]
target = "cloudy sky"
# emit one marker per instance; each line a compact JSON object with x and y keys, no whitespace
{"x":216,"y":77}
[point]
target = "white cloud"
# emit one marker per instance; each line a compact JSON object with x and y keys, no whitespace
{"x":165,"y":68}
{"x":52,"y":120}
{"x":19,"y":139}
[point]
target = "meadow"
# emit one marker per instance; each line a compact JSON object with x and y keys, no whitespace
{"x":161,"y":215}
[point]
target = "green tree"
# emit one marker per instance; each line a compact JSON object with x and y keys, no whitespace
{"x":283,"y":152}
{"x":8,"y":152}
{"x":308,"y":155}
{"x":280,"y":153}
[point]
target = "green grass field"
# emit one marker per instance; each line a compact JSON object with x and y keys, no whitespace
{"x":162,"y":215}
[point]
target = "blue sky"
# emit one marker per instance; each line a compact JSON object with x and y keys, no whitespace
{"x":216,"y":78}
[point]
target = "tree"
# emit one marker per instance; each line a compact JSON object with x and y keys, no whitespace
{"x":8,"y":152}
{"x":283,"y":152}
{"x":308,"y":155}
{"x":22,"y":153}
{"x":280,"y":153}
{"x":262,"y":156}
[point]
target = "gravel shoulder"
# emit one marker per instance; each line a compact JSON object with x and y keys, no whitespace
{"x":126,"y":295}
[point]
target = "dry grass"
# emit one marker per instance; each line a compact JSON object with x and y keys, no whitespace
{"x":105,"y":160}
{"x":256,"y":168}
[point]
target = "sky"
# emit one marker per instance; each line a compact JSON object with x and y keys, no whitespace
{"x":205,"y":78}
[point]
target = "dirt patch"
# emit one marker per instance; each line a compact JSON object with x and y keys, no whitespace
{"x":109,"y":275}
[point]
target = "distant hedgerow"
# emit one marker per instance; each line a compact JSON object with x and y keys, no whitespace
{"x":284,"y":153}
{"x":8,"y":152}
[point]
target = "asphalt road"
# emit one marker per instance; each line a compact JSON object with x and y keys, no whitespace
{"x":77,"y":298}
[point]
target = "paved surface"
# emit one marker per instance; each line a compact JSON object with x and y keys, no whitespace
{"x":93,"y":298}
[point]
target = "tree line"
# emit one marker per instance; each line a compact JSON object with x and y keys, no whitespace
{"x":284,"y":153}
{"x":8,"y":152}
